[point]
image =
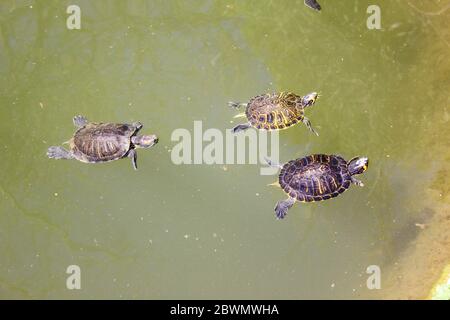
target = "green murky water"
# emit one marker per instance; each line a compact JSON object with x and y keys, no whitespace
{"x":200,"y":231}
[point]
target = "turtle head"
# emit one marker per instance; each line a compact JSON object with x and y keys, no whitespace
{"x":309,"y":99}
{"x":358,"y":165}
{"x":144,"y":141}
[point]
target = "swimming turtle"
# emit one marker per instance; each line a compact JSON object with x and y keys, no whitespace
{"x":313,"y":4}
{"x":103,"y":142}
{"x":275,"y":111}
{"x":315,"y":178}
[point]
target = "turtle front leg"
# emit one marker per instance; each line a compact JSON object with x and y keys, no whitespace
{"x":137,"y":125}
{"x":241,"y":127}
{"x":133,"y":156}
{"x":237,"y":105}
{"x":313,"y":4}
{"x":55,"y":152}
{"x":357,"y":182}
{"x":283,"y":206}
{"x":308,"y":124}
{"x":80,"y":121}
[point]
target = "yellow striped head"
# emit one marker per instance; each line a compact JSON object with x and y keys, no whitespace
{"x":309,"y":99}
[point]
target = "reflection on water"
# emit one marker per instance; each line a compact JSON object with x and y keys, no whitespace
{"x":171,"y":231}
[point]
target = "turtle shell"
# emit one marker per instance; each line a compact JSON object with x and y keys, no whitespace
{"x":101,"y":142}
{"x":274,"y":111}
{"x":315,"y":178}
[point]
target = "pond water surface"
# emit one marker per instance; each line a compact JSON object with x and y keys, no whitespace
{"x":209,"y":231}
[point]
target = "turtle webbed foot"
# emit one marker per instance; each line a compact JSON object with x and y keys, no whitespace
{"x":282,"y":207}
{"x":79,"y":121}
{"x":240,"y":127}
{"x":55,"y":152}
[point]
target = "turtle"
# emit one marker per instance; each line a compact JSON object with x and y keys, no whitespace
{"x":103,"y":142}
{"x":313,"y":4}
{"x":316,"y":177}
{"x":275,"y":111}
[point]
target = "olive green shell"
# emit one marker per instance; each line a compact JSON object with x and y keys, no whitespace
{"x":101,"y":142}
{"x":315,"y":178}
{"x":275,"y":111}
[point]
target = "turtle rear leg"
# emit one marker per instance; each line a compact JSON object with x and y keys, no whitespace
{"x":237,"y":105}
{"x":80,"y":121}
{"x":308,"y":124}
{"x":282,"y":207}
{"x":241,"y":127}
{"x":55,"y":152}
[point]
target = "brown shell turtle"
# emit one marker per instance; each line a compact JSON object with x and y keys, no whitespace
{"x":316,"y":177}
{"x":275,"y":111}
{"x":103,"y":142}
